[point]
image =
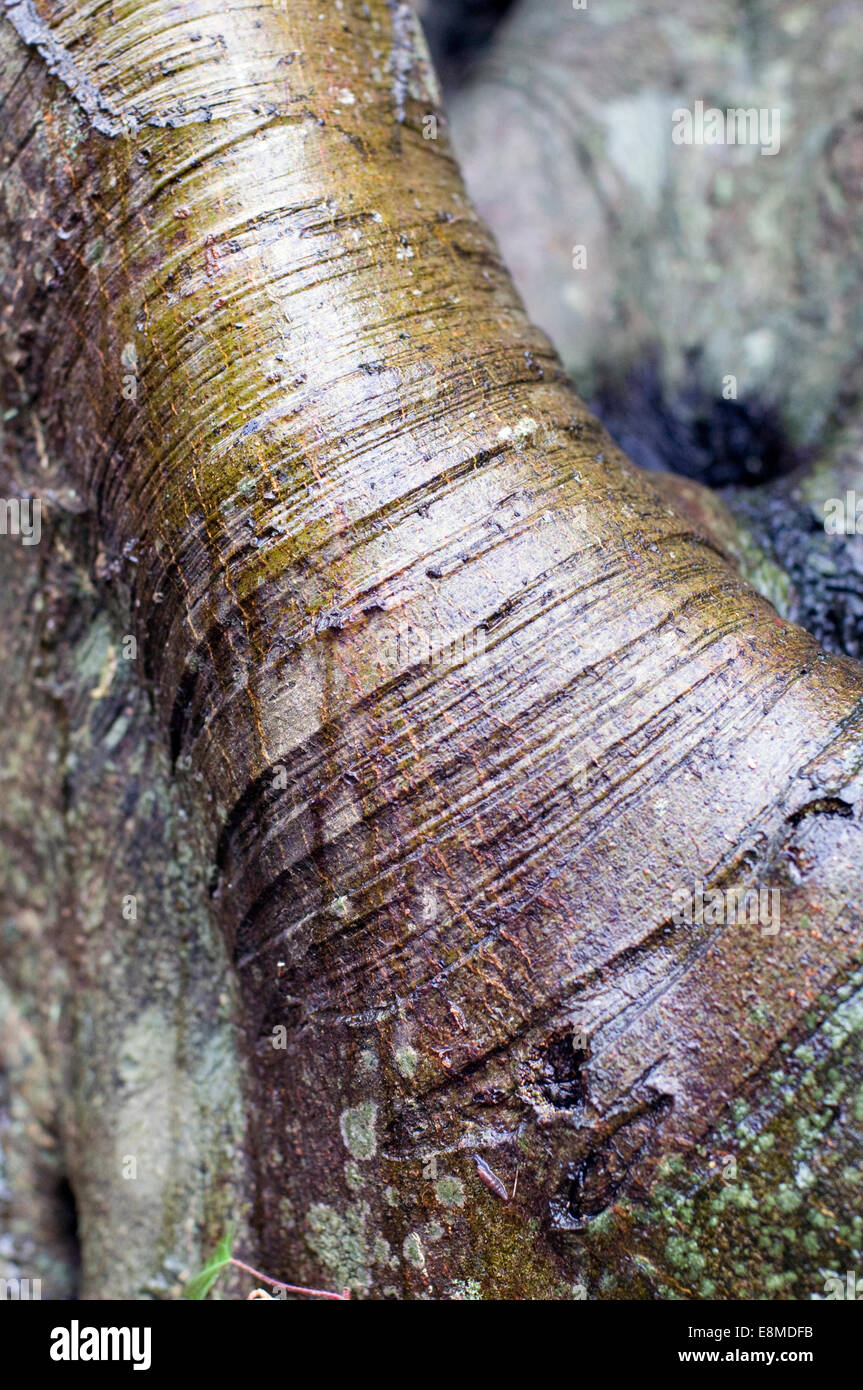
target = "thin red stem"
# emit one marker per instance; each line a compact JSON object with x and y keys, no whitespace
{"x":291,"y":1288}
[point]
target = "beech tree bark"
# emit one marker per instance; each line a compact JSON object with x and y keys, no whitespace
{"x":439,"y":699}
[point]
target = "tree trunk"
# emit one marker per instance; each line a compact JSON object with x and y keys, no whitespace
{"x":447,"y":701}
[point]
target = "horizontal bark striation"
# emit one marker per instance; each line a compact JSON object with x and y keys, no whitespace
{"x":464,"y":698}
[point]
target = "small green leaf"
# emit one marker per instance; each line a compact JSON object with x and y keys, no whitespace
{"x":200,"y":1284}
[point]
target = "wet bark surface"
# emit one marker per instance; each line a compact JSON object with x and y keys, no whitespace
{"x":453,"y":699}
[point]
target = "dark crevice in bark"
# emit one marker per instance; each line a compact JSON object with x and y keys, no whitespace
{"x":823,"y":806}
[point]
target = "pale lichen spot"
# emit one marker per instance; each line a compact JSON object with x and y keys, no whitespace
{"x":525,"y":427}
{"x":465,"y":1290}
{"x":368,"y":1061}
{"x":357,"y":1125}
{"x":406,"y":1060}
{"x":340,"y":1243}
{"x":382,"y":1254}
{"x":412,"y":1249}
{"x":519,"y":432}
{"x":449,"y":1191}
